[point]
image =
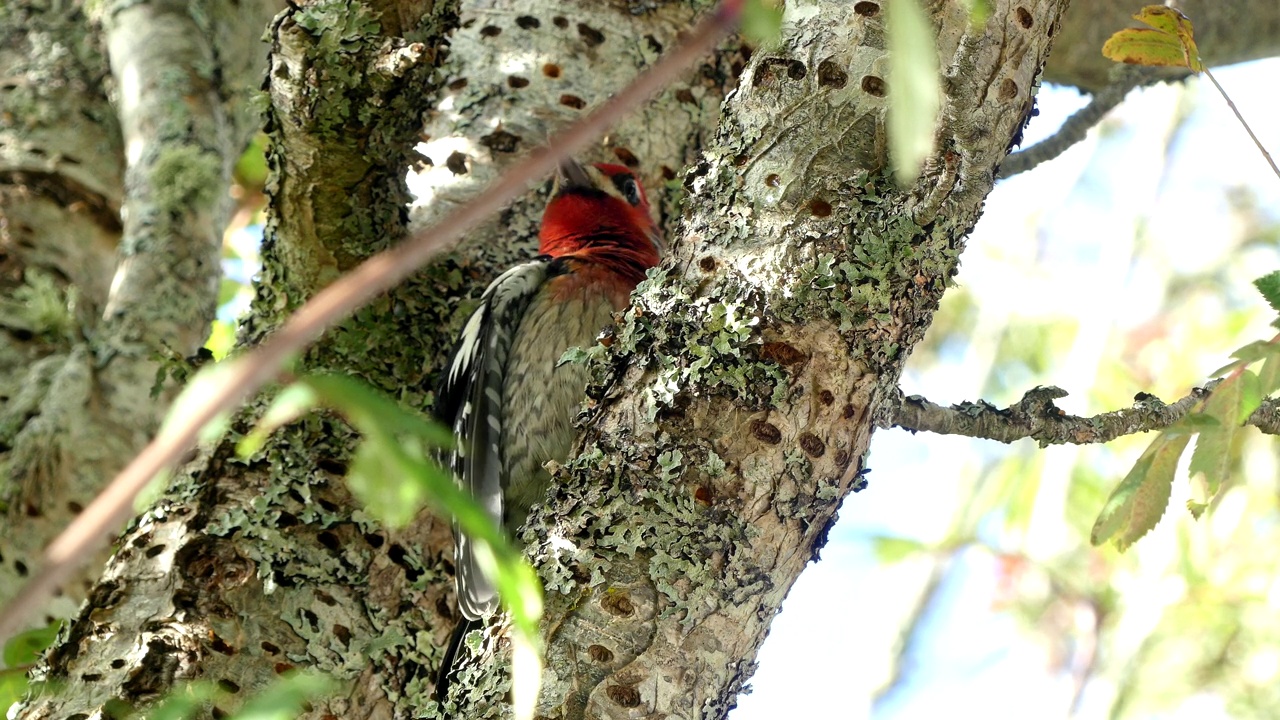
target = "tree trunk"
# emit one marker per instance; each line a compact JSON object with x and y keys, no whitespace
{"x":248,"y":568}
{"x":717,"y":456}
{"x":88,"y":304}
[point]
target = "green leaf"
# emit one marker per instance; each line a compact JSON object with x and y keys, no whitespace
{"x":762,"y":21}
{"x":915,"y":88}
{"x":184,"y":701}
{"x":284,"y":699}
{"x":392,"y":475}
{"x":1194,"y":423}
{"x":291,"y":403}
{"x":1230,"y":404}
{"x":1257,"y":350}
{"x":1269,"y":286}
{"x":207,"y":383}
{"x":526,"y":675}
{"x":13,"y":687}
{"x":222,"y":338}
{"x":367,"y":408}
{"x":890,"y":549}
{"x":1251,"y":353}
{"x":1137,"y":504}
{"x":979,"y":11}
{"x":25,"y":648}
{"x":251,"y":168}
{"x":1251,"y":396}
{"x":228,"y":290}
{"x":1269,"y":377}
{"x":381,"y":485}
{"x":1139,"y":46}
{"x":1228,"y":368}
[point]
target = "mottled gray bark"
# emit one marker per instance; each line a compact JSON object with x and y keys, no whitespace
{"x":139,"y":111}
{"x":715,"y":459}
{"x":248,"y":568}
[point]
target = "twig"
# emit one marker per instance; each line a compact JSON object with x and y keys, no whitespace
{"x":246,"y":374}
{"x":1076,"y":127}
{"x":1240,"y":117}
{"x":1035,"y":416}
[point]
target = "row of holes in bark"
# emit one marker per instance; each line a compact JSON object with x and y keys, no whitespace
{"x":35,"y":511}
{"x":830,"y":75}
{"x":817,"y":206}
{"x":457,"y":161}
{"x":591,"y":36}
{"x":1025,"y":20}
{"x":516,"y":82}
{"x":551,"y":70}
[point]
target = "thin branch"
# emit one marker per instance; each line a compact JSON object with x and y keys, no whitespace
{"x":1076,"y":127}
{"x":1262,"y":149}
{"x":1035,"y":416}
{"x":246,"y":374}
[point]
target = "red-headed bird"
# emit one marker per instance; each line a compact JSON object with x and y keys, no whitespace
{"x":510,"y":406}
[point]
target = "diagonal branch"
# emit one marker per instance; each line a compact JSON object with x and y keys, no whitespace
{"x":1076,"y":127}
{"x":1035,"y":416}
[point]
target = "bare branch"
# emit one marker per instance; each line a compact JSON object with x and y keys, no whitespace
{"x":1035,"y":416}
{"x":249,"y":372}
{"x":1076,"y":127}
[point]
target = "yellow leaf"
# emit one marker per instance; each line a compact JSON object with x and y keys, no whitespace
{"x":1163,"y":18}
{"x":1170,"y":42}
{"x":1137,"y":46}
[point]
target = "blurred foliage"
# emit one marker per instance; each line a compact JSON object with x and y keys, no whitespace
{"x":762,"y":22}
{"x":916,"y":99}
{"x":394,"y":473}
{"x":1116,"y":285}
{"x":284,"y":699}
{"x":240,"y":258}
{"x":19,"y":655}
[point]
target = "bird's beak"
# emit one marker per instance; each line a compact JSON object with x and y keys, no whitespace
{"x":571,"y":175}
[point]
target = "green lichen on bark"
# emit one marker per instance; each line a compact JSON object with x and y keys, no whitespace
{"x":185,"y":175}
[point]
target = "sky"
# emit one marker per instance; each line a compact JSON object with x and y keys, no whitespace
{"x":1088,"y":240}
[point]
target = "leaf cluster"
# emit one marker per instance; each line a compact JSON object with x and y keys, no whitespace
{"x":1217,"y":422}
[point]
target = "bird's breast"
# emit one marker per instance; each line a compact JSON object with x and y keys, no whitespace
{"x":540,"y":397}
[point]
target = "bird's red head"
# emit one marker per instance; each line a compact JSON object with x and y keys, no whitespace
{"x":600,"y":213}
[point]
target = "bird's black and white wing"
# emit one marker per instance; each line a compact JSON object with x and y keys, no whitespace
{"x":470,"y":399}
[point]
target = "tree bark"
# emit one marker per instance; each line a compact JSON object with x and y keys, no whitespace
{"x":717,"y":457}
{"x":248,"y":568}
{"x":91,"y":304}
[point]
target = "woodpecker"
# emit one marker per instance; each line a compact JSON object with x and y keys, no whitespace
{"x":509,"y":401}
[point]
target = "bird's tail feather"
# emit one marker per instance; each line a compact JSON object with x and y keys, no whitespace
{"x":445,"y":675}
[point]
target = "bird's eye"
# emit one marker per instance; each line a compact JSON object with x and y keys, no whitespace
{"x":626,"y":185}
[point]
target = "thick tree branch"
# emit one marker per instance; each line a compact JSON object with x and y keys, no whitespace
{"x":132,"y":289}
{"x":1035,"y":416}
{"x":1227,"y":31}
{"x":716,"y":456}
